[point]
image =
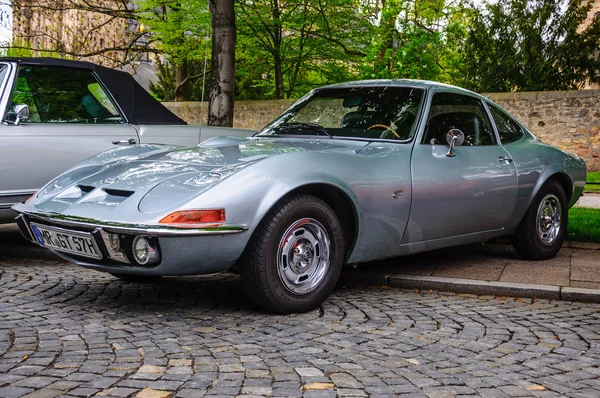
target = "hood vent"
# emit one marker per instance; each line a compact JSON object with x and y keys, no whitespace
{"x":105,"y":197}
{"x":118,"y":192}
{"x":86,"y":188}
{"x":74,"y":193}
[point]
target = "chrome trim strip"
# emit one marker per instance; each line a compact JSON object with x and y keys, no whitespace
{"x":17,"y":193}
{"x":6,"y":206}
{"x":113,"y":226}
{"x":117,"y":256}
{"x":7,"y":85}
{"x":21,"y":217}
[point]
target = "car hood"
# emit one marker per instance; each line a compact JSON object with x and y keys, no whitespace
{"x":229,"y":151}
{"x":164,"y":177}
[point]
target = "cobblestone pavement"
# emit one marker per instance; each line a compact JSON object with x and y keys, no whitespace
{"x":65,"y":330}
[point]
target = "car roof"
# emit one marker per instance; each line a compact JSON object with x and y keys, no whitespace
{"x":137,"y":105}
{"x":51,"y":62}
{"x":425,"y":84}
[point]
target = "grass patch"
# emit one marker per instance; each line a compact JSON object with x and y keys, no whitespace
{"x":584,"y":225}
{"x":593,"y":176}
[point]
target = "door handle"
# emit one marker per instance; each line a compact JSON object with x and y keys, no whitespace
{"x":505,"y":159}
{"x":130,"y":141}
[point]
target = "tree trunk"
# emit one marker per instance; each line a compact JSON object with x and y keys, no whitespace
{"x":277,"y":38}
{"x":182,"y":86}
{"x":222,"y":87}
{"x":278,"y":77}
{"x":387,"y":27}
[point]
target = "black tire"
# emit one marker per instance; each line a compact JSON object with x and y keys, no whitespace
{"x":259,"y":263}
{"x":137,"y":278}
{"x":526,"y":240}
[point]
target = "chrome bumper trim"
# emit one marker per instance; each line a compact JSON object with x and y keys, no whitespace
{"x":113,"y":226}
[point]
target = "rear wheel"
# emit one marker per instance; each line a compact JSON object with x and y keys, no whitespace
{"x":137,"y":278}
{"x":294,"y":258}
{"x":542,"y":231}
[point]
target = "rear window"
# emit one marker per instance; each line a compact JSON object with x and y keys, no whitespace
{"x":508,"y":129}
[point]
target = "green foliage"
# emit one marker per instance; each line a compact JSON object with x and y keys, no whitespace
{"x":164,"y":88}
{"x":181,"y":26}
{"x":182,"y":30}
{"x":288,"y":47}
{"x":417,"y":40}
{"x":593,"y":176}
{"x":530,"y":45}
{"x":584,"y":225}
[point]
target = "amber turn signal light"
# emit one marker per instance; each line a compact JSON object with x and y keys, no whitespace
{"x":195,"y":218}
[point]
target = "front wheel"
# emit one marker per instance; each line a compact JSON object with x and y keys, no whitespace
{"x":542,"y":231}
{"x":294,"y":257}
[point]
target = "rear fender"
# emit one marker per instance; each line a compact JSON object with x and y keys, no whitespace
{"x":523,"y":205}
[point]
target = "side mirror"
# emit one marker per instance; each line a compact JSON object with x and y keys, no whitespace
{"x":455,"y":137}
{"x":20,"y":114}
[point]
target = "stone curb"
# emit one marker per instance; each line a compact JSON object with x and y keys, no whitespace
{"x":473,"y":286}
{"x":481,"y":288}
{"x":581,"y":295}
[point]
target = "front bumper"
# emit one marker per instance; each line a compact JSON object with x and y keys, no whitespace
{"x":183,"y":251}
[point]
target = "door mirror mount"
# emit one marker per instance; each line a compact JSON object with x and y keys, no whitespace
{"x":19,"y":114}
{"x":455,"y":137}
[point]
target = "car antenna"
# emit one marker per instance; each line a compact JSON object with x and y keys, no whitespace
{"x":202,"y":96}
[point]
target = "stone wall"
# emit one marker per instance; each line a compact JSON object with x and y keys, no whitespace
{"x":569,"y":120}
{"x":566,"y":119}
{"x":253,"y":115}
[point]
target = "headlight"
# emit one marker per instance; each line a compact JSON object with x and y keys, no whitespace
{"x":114,"y":242}
{"x":143,"y":252}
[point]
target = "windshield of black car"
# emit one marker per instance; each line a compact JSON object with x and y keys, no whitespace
{"x":385,"y":112}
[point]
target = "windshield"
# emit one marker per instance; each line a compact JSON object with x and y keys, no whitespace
{"x":357,"y":112}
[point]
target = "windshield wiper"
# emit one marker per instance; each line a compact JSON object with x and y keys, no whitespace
{"x":301,"y":129}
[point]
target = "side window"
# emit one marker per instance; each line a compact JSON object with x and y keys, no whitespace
{"x":63,"y":95}
{"x":508,"y":129}
{"x":455,"y":111}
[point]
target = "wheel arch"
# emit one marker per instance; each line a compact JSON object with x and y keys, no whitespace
{"x":557,"y":175}
{"x":343,"y":205}
{"x":565,"y":181}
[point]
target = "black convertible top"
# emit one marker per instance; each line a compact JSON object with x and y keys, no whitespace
{"x":137,"y":105}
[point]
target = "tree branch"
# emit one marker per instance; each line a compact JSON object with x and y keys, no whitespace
{"x":189,"y":79}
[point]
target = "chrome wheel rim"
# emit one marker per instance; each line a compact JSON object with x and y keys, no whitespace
{"x":303,"y":256}
{"x":549,"y":219}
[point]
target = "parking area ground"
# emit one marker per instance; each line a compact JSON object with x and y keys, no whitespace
{"x":67,"y":331}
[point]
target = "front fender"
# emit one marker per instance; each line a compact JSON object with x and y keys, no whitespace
{"x":249,"y":194}
{"x":279,"y":192}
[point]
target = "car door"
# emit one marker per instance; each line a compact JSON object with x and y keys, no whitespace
{"x":470,"y":192}
{"x":71,"y":117}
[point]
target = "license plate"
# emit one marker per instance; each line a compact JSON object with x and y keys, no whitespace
{"x":80,"y":243}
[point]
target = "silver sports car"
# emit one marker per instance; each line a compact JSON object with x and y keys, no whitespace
{"x":351,"y":173}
